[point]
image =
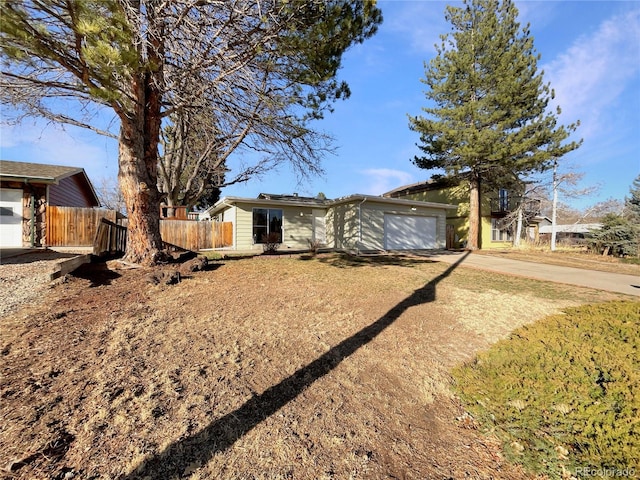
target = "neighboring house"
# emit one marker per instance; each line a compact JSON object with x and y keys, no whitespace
{"x":535,"y":227}
{"x":572,"y":233}
{"x":353,"y":223}
{"x":495,"y":208}
{"x":26,"y":189}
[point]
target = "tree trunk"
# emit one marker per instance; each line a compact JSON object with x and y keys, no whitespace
{"x":138,"y":149}
{"x":138,"y":171}
{"x":475,"y":216}
{"x":137,"y":179}
{"x":516,"y":240}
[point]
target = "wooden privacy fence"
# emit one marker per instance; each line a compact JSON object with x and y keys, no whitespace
{"x":74,"y":227}
{"x":196,"y":236}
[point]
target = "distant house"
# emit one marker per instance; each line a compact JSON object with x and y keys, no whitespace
{"x":356,"y":222}
{"x":26,"y":189}
{"x":494,"y":209}
{"x":574,"y":233}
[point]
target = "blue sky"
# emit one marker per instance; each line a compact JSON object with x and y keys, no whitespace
{"x":590,"y":55}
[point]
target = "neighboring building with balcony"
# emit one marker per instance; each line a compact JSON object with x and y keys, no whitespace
{"x":495,"y":211}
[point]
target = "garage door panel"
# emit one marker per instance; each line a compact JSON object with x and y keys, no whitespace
{"x":10,"y":218}
{"x":410,"y":232}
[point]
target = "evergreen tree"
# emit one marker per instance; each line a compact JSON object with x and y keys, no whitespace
{"x":490,"y":121}
{"x":632,"y":214}
{"x":632,"y":204}
{"x":617,"y":237}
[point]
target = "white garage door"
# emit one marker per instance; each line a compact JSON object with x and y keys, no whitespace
{"x":10,"y":218}
{"x":409,"y":232}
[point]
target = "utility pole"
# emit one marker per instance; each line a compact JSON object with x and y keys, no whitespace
{"x":554,"y":205}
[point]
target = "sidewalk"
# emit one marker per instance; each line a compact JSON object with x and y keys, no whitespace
{"x":612,"y":282}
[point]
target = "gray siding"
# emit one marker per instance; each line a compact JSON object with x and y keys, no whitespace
{"x":297,"y":227}
{"x":360,"y":226}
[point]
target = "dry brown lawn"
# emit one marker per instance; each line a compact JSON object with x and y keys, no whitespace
{"x":265,"y":368}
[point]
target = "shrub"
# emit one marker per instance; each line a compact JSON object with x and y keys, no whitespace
{"x":271,"y":243}
{"x":563,"y":394}
{"x":314,"y":246}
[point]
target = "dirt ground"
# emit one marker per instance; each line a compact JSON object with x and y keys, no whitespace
{"x":265,"y":368}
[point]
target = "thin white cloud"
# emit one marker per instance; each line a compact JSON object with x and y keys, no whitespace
{"x":422,"y":22}
{"x":52,"y":144}
{"x":591,"y":75}
{"x":381,"y":180}
{"x":536,"y":13}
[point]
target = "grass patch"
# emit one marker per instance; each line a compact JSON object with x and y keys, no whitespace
{"x":563,"y":394}
{"x":630,"y":260}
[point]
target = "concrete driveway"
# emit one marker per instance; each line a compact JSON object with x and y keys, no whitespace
{"x":612,"y":282}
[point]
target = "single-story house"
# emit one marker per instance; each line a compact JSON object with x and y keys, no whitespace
{"x":26,"y":189}
{"x":571,"y":233}
{"x":352,"y":223}
{"x":495,"y":210}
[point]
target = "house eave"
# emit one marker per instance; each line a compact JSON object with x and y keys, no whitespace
{"x":228,"y":202}
{"x":391,"y":201}
{"x":7,"y":177}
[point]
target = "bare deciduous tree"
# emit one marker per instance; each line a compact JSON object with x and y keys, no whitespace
{"x":110,"y":195}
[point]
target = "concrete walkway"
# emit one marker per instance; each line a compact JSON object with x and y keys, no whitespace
{"x":6,"y":253}
{"x":612,"y":282}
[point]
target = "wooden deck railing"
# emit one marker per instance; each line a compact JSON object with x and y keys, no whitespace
{"x":110,"y":239}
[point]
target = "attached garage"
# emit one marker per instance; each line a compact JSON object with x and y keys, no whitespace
{"x":10,"y":217}
{"x":410,"y":232}
{"x":365,"y":223}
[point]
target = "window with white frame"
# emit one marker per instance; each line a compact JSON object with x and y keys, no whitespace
{"x":498,"y":232}
{"x":267,"y":222}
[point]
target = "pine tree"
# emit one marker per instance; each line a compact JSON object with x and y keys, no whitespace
{"x":632,"y":203}
{"x":632,"y":214}
{"x":490,"y":121}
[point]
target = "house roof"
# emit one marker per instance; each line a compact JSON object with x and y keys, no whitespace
{"x":292,"y":200}
{"x":36,"y":171}
{"x":228,"y":201}
{"x":41,"y":173}
{"x":572,"y":228}
{"x":393,"y":201}
{"x":539,"y":219}
{"x":420,"y":187}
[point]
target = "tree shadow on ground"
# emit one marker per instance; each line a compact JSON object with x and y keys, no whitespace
{"x":222,"y":433}
{"x":347,"y":260}
{"x":98,"y":273}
